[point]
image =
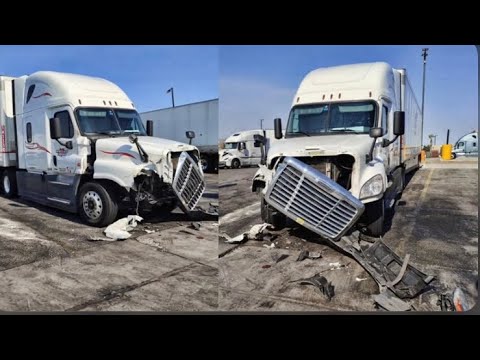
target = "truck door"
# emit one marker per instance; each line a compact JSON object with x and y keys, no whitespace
{"x":37,"y":155}
{"x":65,"y":160}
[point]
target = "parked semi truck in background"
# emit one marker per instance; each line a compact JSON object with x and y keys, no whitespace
{"x":199,"y":120}
{"x":353,"y":133}
{"x":466,"y":145}
{"x":77,"y":143}
{"x":244,"y":149}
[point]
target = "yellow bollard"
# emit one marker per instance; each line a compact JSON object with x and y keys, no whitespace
{"x":447,"y":152}
{"x":423,"y":156}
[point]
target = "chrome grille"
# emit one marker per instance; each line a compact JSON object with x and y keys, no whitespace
{"x":188,"y":183}
{"x":313,"y":200}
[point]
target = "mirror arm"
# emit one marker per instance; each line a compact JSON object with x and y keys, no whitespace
{"x":369,"y":156}
{"x":386,"y":142}
{"x":64,"y":144}
{"x":142,"y":152}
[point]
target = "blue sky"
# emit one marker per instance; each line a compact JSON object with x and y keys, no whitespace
{"x":145,"y":73}
{"x":260,"y":81}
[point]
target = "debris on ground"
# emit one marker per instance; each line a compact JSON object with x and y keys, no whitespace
{"x":119,"y":230}
{"x":445,"y":301}
{"x":360,"y":279}
{"x":195,"y":225}
{"x":459,"y":300}
{"x":149,"y":231}
{"x":186,"y":232}
{"x":277,"y":258}
{"x":387,"y":301}
{"x":271,"y":246}
{"x":235,"y":240}
{"x":256,"y":231}
{"x":337,"y":265}
{"x":269,"y":237}
{"x":325,"y":287}
{"x":100,"y":238}
{"x":305,"y":254}
{"x":266,"y":266}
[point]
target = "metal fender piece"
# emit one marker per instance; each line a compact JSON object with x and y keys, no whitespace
{"x":313,"y":200}
{"x":188,"y":183}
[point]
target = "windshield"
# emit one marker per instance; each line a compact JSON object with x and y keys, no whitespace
{"x":334,"y":118}
{"x":108,"y":121}
{"x":230,"y":145}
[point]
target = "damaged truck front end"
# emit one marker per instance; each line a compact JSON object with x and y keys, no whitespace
{"x":175,"y":180}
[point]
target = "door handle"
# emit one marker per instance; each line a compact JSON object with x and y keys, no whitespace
{"x":55,"y":160}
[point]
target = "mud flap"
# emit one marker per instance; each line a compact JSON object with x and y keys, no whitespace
{"x":386,"y":267}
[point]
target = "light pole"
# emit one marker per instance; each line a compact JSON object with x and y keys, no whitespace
{"x":173,"y":100}
{"x":424,"y":55}
{"x":261,"y":124}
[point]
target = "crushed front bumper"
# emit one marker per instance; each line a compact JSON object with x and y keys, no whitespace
{"x":188,"y":183}
{"x":312,"y":199}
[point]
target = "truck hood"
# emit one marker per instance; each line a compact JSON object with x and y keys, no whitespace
{"x":326,"y":145}
{"x":155,"y":147}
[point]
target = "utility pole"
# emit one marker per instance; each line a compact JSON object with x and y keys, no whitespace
{"x":261,"y":124}
{"x":424,"y":55}
{"x":173,"y":100}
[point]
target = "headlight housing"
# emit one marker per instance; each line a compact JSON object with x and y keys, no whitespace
{"x":372,"y":187}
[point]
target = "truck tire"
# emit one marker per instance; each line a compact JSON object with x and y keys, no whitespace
{"x":235,"y":164}
{"x":96,"y":206}
{"x":167,"y":208}
{"x":272,"y":216}
{"x":205,"y":164}
{"x":8,"y":183}
{"x":376,"y":217}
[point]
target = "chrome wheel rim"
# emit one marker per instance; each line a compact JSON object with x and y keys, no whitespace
{"x":92,"y":205}
{"x":6,"y":184}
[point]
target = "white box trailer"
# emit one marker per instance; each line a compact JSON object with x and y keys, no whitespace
{"x":200,"y":117}
{"x":77,"y":143}
{"x":352,"y":134}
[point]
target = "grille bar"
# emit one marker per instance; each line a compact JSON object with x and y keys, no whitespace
{"x":310,"y":198}
{"x":188,"y":183}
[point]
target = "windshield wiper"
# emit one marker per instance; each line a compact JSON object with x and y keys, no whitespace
{"x":299,"y":132}
{"x":107,"y":132}
{"x":345,"y":130}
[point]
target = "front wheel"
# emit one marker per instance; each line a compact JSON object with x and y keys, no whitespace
{"x":96,"y":205}
{"x":8,"y":183}
{"x":271,"y":215}
{"x":205,"y":164}
{"x":375,"y":212}
{"x":235,"y":164}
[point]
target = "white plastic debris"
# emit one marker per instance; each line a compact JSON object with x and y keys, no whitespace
{"x":256,"y":231}
{"x":360,"y":279}
{"x":459,"y":300}
{"x":234,"y":240}
{"x":119,"y":230}
{"x":271,"y":246}
{"x":149,"y":231}
{"x":334,"y":265}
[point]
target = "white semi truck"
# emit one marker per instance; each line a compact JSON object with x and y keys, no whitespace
{"x":353,"y":133}
{"x":244,"y":149}
{"x":196,"y":123}
{"x":467,"y":145}
{"x":77,"y":143}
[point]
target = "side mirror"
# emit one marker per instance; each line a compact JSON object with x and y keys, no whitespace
{"x":399,"y":123}
{"x":149,"y":127}
{"x":55,"y":128}
{"x":259,"y":139}
{"x":190,"y":134}
{"x":376,"y":132}
{"x":278,"y":128}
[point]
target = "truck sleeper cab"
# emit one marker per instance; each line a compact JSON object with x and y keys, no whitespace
{"x":352,"y":134}
{"x":77,"y":143}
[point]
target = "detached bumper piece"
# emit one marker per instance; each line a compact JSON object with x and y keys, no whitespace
{"x":312,"y":199}
{"x":188,"y":183}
